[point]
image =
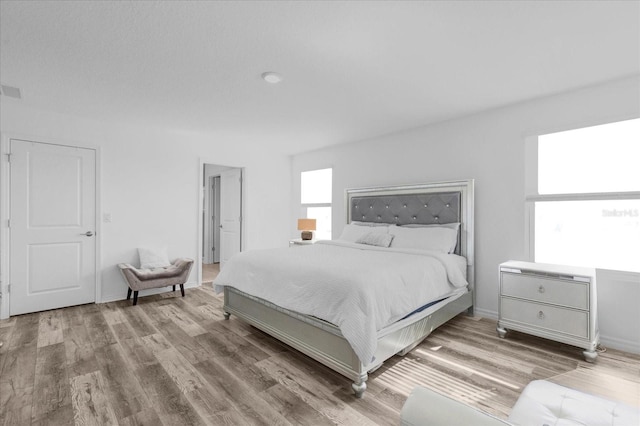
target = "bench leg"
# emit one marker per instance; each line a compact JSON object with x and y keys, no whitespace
{"x":135,"y":298}
{"x":174,"y":288}
{"x":182,"y":289}
{"x":129,"y":293}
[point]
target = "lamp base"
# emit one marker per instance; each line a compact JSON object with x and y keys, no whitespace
{"x":306,"y":235}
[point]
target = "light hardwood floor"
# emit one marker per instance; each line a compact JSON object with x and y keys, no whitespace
{"x":175,"y":361}
{"x":209,"y":272}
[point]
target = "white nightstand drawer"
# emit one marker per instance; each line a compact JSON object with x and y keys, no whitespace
{"x":574,"y":294}
{"x":552,"y":318}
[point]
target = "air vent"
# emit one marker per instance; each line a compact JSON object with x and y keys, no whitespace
{"x":10,"y":91}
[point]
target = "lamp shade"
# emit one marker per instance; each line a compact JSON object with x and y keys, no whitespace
{"x":306,"y":224}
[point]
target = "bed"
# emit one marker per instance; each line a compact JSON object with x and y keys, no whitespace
{"x":257,"y":291}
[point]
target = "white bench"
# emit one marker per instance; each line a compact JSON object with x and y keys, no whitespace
{"x":541,"y":403}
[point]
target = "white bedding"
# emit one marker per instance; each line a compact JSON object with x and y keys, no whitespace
{"x":357,"y":287}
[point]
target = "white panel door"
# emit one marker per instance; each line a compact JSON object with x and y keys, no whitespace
{"x":52,"y":229}
{"x":230,"y":214}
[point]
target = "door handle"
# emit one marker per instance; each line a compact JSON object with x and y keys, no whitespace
{"x":88,"y":234}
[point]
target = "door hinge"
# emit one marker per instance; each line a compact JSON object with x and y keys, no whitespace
{"x":8,"y":288}
{"x":8,"y":223}
{"x":9,"y":157}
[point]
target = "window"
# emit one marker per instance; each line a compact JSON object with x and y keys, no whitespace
{"x":583,"y":197}
{"x":315,"y":198}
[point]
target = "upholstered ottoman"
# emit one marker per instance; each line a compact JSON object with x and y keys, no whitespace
{"x":545,"y":403}
{"x":142,"y":279}
{"x":425,"y":407}
{"x":541,"y":403}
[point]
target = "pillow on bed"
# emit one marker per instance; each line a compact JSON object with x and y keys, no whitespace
{"x":352,"y":233}
{"x":372,"y":223}
{"x":376,"y":239}
{"x":438,"y":238}
{"x":453,"y":225}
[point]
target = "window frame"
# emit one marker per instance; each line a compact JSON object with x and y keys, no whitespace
{"x":305,"y":206}
{"x":532,"y":196}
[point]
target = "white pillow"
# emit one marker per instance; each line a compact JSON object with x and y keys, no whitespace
{"x":153,"y":257}
{"x":439,"y":238}
{"x":376,"y":239}
{"x":371,"y":223}
{"x":352,"y":233}
{"x":452,"y":225}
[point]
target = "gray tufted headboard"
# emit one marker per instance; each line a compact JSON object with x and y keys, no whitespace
{"x":424,"y":204}
{"x":423,"y":209}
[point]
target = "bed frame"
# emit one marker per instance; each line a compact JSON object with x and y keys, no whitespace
{"x":434,"y":203}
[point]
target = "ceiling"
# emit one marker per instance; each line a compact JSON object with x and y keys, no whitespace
{"x":352,"y":70}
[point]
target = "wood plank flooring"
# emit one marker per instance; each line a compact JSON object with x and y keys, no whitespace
{"x":175,"y":361}
{"x":209,"y":272}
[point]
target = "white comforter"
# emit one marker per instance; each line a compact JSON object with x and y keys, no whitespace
{"x":357,"y":287}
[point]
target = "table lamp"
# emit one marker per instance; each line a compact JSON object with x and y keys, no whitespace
{"x":306,"y":226}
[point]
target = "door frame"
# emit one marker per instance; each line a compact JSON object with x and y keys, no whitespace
{"x":5,"y":199}
{"x":200,"y":197}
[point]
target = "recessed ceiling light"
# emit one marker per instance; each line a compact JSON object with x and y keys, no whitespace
{"x":271,"y":77}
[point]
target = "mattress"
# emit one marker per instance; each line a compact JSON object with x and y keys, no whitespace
{"x":361,"y":289}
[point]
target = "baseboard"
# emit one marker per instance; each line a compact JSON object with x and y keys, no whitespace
{"x":620,"y":344}
{"x":485,"y":313}
{"x":115,"y":297}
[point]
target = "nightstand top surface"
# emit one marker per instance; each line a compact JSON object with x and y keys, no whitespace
{"x":300,"y":241}
{"x":549,"y":268}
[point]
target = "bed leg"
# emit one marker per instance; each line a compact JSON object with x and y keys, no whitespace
{"x":226,"y":315}
{"x":359,"y":388}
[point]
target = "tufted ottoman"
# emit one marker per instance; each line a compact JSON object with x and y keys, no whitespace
{"x":541,"y":403}
{"x":545,"y":403}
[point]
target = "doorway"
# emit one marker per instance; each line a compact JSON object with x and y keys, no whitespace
{"x":221,"y":218}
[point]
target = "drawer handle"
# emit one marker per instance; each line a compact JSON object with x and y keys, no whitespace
{"x":541,"y":315}
{"x":541,"y":289}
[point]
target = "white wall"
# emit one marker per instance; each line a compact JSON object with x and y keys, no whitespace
{"x":489,"y":148}
{"x":150,"y":183}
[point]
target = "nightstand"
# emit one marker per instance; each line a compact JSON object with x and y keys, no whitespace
{"x":301,"y":242}
{"x":551,"y":301}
